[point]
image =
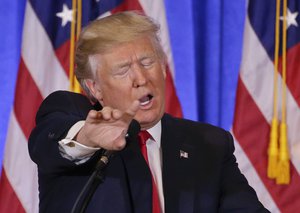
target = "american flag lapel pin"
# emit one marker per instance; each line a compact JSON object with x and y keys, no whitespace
{"x":183,"y":154}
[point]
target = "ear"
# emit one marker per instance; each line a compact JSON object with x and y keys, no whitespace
{"x":164,"y":69}
{"x":163,"y":64}
{"x":94,"y":89}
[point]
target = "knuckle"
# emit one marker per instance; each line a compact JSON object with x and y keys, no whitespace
{"x":91,"y":113}
{"x":119,"y":145}
{"x":106,"y":109}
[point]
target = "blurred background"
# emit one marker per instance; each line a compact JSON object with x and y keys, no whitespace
{"x":222,"y":63}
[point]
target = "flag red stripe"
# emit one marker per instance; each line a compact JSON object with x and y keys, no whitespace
{"x":8,"y":195}
{"x":128,"y":5}
{"x":27,"y":99}
{"x":251,"y":129}
{"x":172,"y":103}
{"x":62,"y":54}
{"x":293,"y":71}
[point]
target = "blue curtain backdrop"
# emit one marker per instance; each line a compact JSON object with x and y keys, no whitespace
{"x":206,"y":38}
{"x":218,"y":35}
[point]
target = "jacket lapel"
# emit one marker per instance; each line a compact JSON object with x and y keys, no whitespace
{"x":178,"y":181}
{"x":138,"y":177}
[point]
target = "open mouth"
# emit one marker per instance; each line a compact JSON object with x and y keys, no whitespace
{"x":145,"y":100}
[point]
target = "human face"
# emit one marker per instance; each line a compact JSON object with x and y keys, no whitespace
{"x":132,"y":71}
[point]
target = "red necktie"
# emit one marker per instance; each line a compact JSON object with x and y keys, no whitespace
{"x":143,"y":137}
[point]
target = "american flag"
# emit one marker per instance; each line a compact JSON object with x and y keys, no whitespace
{"x":254,"y":103}
{"x":44,"y":68}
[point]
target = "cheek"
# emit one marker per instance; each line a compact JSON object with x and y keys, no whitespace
{"x":161,"y":82}
{"x":117,"y":96}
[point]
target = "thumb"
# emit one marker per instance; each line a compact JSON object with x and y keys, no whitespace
{"x":129,"y":114}
{"x":93,"y":116}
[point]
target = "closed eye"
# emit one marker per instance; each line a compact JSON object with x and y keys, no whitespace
{"x":121,"y":71}
{"x":147,"y":62}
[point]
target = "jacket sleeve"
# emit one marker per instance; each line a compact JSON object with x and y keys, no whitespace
{"x":236,"y":194}
{"x":56,"y":115}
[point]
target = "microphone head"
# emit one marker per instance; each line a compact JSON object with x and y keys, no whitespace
{"x":134,"y":128}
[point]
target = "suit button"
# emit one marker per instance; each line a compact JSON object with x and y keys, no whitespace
{"x":51,"y":135}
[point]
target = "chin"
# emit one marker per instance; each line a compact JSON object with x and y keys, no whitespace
{"x":148,"y":121}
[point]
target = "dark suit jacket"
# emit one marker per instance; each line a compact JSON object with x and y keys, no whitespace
{"x":207,"y":181}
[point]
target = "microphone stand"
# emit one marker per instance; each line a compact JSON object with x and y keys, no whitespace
{"x":92,"y":184}
{"x":97,"y":176}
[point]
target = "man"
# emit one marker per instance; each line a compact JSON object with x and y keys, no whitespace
{"x":190,"y":166}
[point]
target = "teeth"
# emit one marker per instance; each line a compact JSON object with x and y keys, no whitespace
{"x":145,"y":100}
{"x":145,"y":103}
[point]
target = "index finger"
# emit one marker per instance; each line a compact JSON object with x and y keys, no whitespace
{"x":94,"y":115}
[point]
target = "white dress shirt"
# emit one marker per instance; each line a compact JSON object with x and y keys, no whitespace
{"x":79,"y":153}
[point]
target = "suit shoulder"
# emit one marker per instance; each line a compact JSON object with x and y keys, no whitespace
{"x":66,"y":102}
{"x":65,"y":95}
{"x":193,"y":129}
{"x":190,"y":125}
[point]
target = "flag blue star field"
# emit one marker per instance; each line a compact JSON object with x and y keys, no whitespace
{"x":255,"y":100}
{"x":44,"y":68}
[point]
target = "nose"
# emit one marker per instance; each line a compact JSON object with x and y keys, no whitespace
{"x":139,"y":76}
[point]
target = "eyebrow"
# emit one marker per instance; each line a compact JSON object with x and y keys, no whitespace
{"x":147,"y":55}
{"x":122,"y":64}
{"x":128,"y":62}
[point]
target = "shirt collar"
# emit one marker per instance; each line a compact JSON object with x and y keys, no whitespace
{"x":155,"y":132}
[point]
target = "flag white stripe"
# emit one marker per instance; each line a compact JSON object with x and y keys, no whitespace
{"x":257,"y":69}
{"x":253,"y":178}
{"x":20,"y":170}
{"x":156,"y":10}
{"x":39,"y":56}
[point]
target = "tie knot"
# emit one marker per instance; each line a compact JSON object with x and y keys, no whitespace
{"x":144,"y":136}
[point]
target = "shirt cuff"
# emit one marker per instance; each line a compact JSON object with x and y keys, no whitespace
{"x":73,"y":150}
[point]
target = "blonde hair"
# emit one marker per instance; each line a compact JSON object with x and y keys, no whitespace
{"x":107,"y":32}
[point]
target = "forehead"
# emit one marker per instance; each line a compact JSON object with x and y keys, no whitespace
{"x":138,"y":48}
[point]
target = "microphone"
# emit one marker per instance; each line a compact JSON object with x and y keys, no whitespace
{"x":97,"y":177}
{"x":133,"y":129}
